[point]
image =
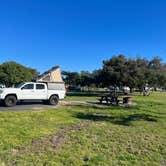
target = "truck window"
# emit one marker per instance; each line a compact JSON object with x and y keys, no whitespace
{"x":28,"y":86}
{"x":40,"y":86}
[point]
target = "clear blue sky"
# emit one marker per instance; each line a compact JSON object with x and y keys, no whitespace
{"x":79,"y":34}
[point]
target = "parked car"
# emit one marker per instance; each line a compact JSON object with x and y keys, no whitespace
{"x":47,"y":92}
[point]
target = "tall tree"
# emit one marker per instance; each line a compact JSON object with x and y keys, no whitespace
{"x":71,"y":78}
{"x":97,"y":78}
{"x":114,"y":70}
{"x":12,"y":73}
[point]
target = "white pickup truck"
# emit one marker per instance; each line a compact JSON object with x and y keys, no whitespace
{"x":47,"y":92}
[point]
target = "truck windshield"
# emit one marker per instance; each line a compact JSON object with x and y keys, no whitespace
{"x":19,"y":85}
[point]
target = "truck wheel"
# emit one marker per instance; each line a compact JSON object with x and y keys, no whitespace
{"x":2,"y":103}
{"x":10,"y":101}
{"x":53,"y":100}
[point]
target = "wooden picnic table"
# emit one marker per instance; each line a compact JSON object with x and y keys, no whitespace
{"x":108,"y":98}
{"x":111,"y":98}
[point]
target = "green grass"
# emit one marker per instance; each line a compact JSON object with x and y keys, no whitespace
{"x":86,"y":134}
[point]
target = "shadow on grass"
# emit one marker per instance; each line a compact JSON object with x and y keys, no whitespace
{"x":125,"y":120}
{"x":98,"y":106}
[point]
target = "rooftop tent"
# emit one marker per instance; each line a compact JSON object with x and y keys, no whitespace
{"x":52,"y":75}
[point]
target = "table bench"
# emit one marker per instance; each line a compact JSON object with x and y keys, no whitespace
{"x":127,"y":99}
{"x":109,"y":99}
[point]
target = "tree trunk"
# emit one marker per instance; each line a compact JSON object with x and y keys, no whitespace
{"x":131,"y":90}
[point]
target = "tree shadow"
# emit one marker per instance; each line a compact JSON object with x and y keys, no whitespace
{"x":113,"y":106}
{"x":104,"y":106}
{"x":125,"y":120}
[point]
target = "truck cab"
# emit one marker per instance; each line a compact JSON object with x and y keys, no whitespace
{"x":32,"y":91}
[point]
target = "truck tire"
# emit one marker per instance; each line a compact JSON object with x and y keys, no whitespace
{"x":2,"y":103}
{"x":10,"y":101}
{"x":54,"y":100}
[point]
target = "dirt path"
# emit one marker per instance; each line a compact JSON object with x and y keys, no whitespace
{"x":52,"y":142}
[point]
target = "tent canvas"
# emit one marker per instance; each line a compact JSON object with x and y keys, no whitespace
{"x":52,"y":75}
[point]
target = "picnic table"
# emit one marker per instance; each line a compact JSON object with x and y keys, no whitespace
{"x":108,"y":98}
{"x":114,"y":98}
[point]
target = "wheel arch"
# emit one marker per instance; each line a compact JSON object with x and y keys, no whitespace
{"x":11,"y":94}
{"x":54,"y":95}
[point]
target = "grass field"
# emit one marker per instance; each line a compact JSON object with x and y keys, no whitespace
{"x":86,"y":134}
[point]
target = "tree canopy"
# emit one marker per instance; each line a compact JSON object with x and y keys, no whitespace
{"x":119,"y":71}
{"x":12,"y":73}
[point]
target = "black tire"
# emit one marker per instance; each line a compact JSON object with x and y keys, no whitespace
{"x":10,"y":101}
{"x":54,"y":100}
{"x":2,"y":103}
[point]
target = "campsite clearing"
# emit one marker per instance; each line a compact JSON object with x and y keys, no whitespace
{"x":84,"y":133}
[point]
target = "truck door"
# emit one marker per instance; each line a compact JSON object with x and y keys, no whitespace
{"x":41,"y":91}
{"x":27,"y":91}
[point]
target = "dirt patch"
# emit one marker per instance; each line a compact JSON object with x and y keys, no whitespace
{"x":72,"y":103}
{"x":52,"y":142}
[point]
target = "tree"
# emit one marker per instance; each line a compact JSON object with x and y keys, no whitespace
{"x":86,"y":79}
{"x":130,"y":74}
{"x":119,"y":71}
{"x":142,"y":73}
{"x":97,"y":78}
{"x":157,"y":70}
{"x":114,"y":71}
{"x":71,"y":78}
{"x":12,"y":73}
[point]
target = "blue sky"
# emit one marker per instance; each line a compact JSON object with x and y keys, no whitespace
{"x":79,"y":34}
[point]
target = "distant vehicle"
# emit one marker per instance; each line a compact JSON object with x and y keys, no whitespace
{"x":160,"y":89}
{"x":47,"y":92}
{"x":126,"y":88}
{"x":73,"y":88}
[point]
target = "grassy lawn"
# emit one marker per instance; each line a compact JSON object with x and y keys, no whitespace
{"x":86,"y":134}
